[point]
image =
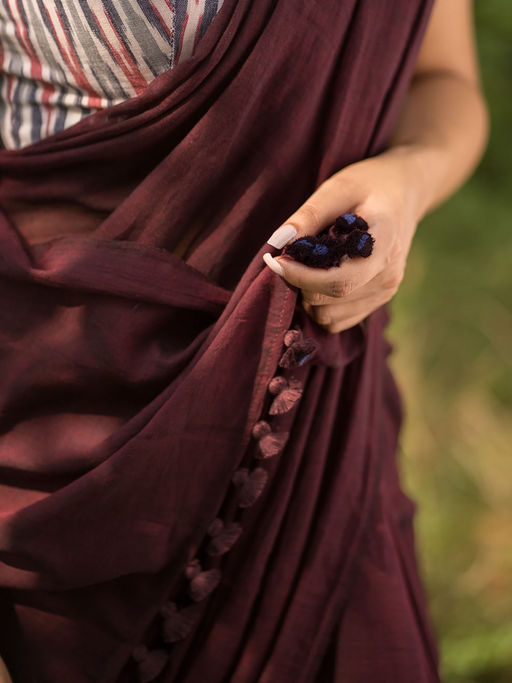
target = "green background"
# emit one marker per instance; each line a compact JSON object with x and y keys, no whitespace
{"x":451,"y":330}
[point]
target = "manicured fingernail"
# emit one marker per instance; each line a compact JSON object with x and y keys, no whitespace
{"x":283,"y":235}
{"x":273,"y":264}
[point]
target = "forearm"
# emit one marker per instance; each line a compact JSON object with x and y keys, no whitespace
{"x":4,"y":674}
{"x":441,"y":134}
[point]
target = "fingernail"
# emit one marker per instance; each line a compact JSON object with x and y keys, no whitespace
{"x":273,"y":264}
{"x":282,"y":236}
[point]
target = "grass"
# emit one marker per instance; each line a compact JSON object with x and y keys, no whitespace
{"x":452,"y":333}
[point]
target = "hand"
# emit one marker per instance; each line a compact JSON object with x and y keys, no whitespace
{"x":385,"y":190}
{"x":4,"y":674}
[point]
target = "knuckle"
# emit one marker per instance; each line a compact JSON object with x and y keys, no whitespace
{"x":309,"y":216}
{"x":323,"y":319}
{"x":393,"y":281}
{"x":313,"y":298}
{"x":394,"y":253}
{"x":387,"y":296}
{"x":333,"y":329}
{"x":390,"y":282}
{"x":340,"y":288}
{"x":345,"y":325}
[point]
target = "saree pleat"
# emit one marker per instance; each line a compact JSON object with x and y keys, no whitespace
{"x":198,"y":482}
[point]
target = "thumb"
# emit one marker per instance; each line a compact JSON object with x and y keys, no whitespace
{"x":332,"y":198}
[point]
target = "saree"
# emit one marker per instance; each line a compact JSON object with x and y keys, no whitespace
{"x":198,"y":482}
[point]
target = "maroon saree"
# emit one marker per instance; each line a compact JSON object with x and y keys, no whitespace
{"x":170,"y":509}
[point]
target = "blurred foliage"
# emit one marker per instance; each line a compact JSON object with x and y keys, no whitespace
{"x":452,"y":332}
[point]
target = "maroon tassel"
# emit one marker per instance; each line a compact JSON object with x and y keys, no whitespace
{"x":299,"y":349}
{"x":269,"y":443}
{"x":223,"y":536}
{"x":215,"y":527}
{"x":292,"y":336}
{"x":272,"y":444}
{"x":261,"y":429}
{"x":177,"y":623}
{"x":150,"y":662}
{"x":201,"y":583}
{"x":298,"y":353}
{"x":287,"y":394}
{"x":277,"y":385}
{"x":250,"y":485}
{"x":193,"y":568}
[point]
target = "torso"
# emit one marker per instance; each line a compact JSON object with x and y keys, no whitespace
{"x":62,"y":61}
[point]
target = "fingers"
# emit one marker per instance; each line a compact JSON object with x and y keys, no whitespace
{"x":4,"y":674}
{"x":335,"y":282}
{"x":337,"y":317}
{"x":316,"y":299}
{"x":319,"y":211}
{"x":336,"y":324}
{"x":381,"y":283}
{"x":342,"y":314}
{"x":320,"y":285}
{"x":333,"y":313}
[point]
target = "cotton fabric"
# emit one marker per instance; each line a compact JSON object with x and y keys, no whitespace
{"x":135,"y":367}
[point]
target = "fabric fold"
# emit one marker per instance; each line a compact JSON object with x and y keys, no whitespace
{"x":147,"y":529}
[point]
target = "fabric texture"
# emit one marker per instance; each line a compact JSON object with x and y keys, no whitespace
{"x":197,"y":482}
{"x":61,"y":61}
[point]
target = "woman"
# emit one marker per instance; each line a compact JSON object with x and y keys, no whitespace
{"x":198,"y":474}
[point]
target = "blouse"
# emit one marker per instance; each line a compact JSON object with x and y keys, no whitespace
{"x":61,"y":61}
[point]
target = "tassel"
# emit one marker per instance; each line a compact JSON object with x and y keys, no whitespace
{"x":192,"y":569}
{"x":215,"y":527}
{"x":347,"y":235}
{"x":316,"y":251}
{"x":348,"y":222}
{"x":201,"y":583}
{"x":287,"y":394}
{"x":277,"y":385}
{"x":270,"y":444}
{"x":261,"y":429}
{"x":223,"y":536}
{"x":250,"y":485}
{"x":150,"y":662}
{"x":299,"y":349}
{"x":359,"y":243}
{"x":177,"y":623}
{"x":298,"y":353}
{"x":292,"y":336}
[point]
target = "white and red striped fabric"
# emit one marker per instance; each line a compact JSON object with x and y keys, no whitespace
{"x":62,"y":60}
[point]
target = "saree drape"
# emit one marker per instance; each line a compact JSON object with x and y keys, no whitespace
{"x":197,"y":482}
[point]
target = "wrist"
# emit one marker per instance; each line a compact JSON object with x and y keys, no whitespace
{"x":421,"y":166}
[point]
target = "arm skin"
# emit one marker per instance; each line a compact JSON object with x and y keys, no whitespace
{"x":439,"y":138}
{"x":444,"y":124}
{"x":4,"y":675}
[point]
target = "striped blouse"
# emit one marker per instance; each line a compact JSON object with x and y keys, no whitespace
{"x":63,"y":60}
